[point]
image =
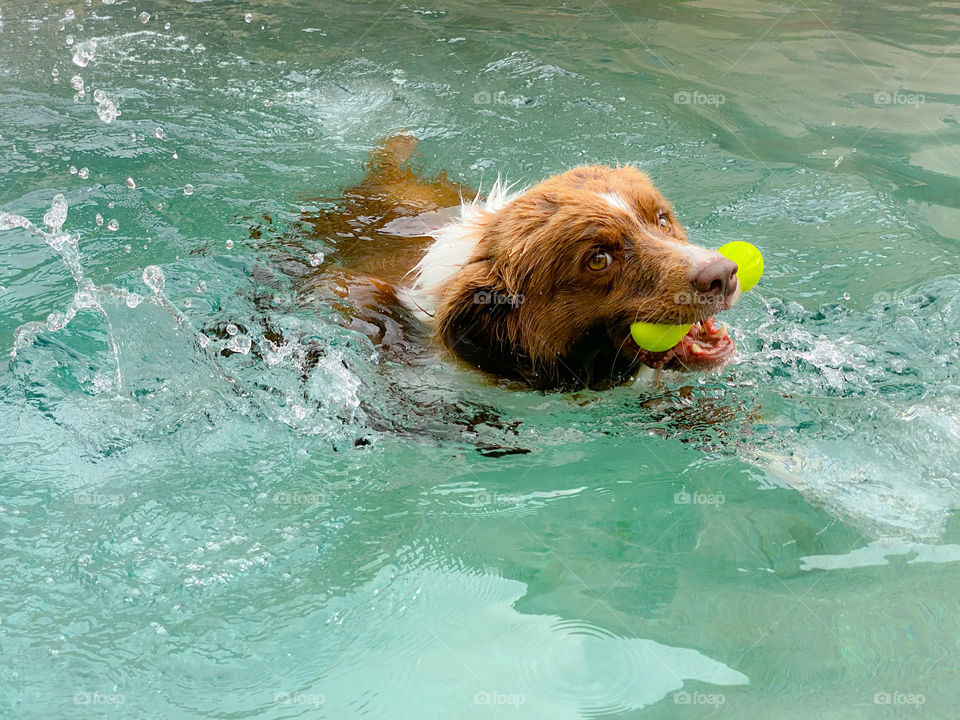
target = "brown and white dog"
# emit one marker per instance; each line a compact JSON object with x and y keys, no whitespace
{"x":540,"y":284}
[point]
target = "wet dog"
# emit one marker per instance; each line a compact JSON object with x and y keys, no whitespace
{"x":538,"y":284}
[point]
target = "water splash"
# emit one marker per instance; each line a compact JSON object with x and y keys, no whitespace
{"x":90,"y":296}
{"x":57,"y":214}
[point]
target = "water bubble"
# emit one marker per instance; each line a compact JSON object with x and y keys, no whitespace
{"x":201,"y":286}
{"x":166,"y":26}
{"x":69,"y":40}
{"x":127,"y":249}
{"x":248,"y":17}
{"x":232,"y":329}
{"x":110,"y":204}
{"x":76,"y":82}
{"x":73,"y":170}
{"x":84,"y":299}
{"x":113,"y":225}
{"x":316,"y":259}
{"x":107,"y":111}
{"x":158,"y":133}
{"x":84,"y":54}
{"x":240,"y":344}
{"x":133,"y":137}
{"x":99,"y":219}
{"x":99,"y":96}
{"x":131,"y":183}
{"x":188,"y":188}
{"x":229,"y":244}
{"x":68,"y":15}
{"x":57,"y":214}
{"x":133,"y":300}
{"x":55,"y":72}
{"x":154,"y":278}
{"x":108,"y":2}
{"x":143,"y":17}
{"x":56,"y":321}
{"x":83,"y":173}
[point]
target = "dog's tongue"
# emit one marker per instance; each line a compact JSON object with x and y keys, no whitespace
{"x":706,"y":344}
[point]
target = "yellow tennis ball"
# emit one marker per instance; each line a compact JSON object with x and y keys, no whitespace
{"x":748,"y":259}
{"x":656,"y":337}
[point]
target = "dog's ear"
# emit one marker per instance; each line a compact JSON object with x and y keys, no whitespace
{"x":476,"y":319}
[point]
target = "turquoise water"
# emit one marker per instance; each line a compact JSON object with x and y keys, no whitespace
{"x":216,"y":501}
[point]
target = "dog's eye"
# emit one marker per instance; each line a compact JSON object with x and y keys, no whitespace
{"x":663,"y":222}
{"x":599,"y":261}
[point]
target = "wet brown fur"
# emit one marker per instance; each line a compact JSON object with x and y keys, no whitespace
{"x":553,"y":321}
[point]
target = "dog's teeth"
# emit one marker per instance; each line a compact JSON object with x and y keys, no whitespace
{"x":697,"y":347}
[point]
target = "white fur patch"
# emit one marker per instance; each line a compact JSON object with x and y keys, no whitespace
{"x":699,"y":256}
{"x":452,"y":248}
{"x":615,"y":201}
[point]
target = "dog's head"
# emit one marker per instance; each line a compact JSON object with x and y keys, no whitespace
{"x":545,"y":284}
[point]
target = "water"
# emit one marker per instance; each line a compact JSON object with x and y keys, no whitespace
{"x":217,"y":501}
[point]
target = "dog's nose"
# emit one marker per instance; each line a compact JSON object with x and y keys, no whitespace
{"x":717,"y":277}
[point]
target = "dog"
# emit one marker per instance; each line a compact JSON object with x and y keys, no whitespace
{"x":539,"y":284}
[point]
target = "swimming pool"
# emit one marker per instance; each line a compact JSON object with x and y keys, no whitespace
{"x":203,"y":516}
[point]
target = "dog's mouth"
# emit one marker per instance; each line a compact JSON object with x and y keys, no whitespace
{"x":707,"y":345}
